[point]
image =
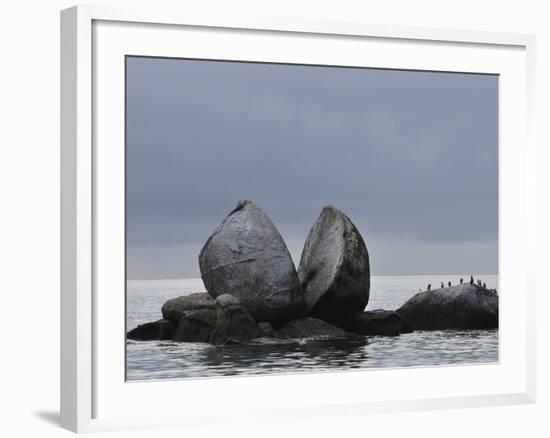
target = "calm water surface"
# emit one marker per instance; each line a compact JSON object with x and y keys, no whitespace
{"x":170,"y":360}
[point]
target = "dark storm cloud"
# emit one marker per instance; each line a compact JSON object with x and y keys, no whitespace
{"x":411,"y":157}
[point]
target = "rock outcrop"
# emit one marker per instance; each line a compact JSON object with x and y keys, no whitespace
{"x":254,"y":290}
{"x":310,"y":328}
{"x":247,"y":258}
{"x":234,"y":325}
{"x":174,"y":309}
{"x":464,"y":306}
{"x":376,"y":323}
{"x":334,"y":269}
{"x":196,"y":325}
{"x":160,"y":330}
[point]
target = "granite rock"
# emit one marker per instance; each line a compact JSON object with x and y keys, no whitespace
{"x":196,"y":325}
{"x":153,"y":331}
{"x":247,"y":258}
{"x":463,"y":306}
{"x":174,"y":309}
{"x":234,"y":325}
{"x":334,"y":269}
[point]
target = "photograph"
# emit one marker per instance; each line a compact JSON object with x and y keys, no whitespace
{"x":298,"y":218}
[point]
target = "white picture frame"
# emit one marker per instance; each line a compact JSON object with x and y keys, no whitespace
{"x":93,"y":39}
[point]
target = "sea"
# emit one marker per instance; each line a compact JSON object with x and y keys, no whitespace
{"x":154,"y":360}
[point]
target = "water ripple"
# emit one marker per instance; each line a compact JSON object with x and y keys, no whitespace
{"x":171,"y":360}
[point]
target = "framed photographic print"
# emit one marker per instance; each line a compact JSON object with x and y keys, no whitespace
{"x":254,"y":206}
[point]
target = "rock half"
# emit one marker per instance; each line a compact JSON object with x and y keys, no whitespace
{"x":334,"y":268}
{"x":247,"y":258}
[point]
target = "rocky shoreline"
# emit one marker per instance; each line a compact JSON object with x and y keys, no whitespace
{"x":254,"y":290}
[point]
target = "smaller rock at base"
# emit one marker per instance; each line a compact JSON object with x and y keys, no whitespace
{"x":310,"y":328}
{"x":234,"y":325}
{"x":266,"y":330}
{"x":174,"y":309}
{"x":160,"y":330}
{"x":377,"y":323}
{"x":196,"y":326}
{"x":459,"y":307}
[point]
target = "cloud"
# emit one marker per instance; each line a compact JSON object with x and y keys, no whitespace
{"x":409,"y":156}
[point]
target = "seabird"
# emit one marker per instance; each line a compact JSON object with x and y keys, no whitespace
{"x":429,"y":287}
{"x":484,"y":286}
{"x":461,"y":280}
{"x":449,"y":284}
{"x":442,"y":285}
{"x":471,"y":279}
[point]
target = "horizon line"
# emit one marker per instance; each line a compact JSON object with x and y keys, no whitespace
{"x":382,"y":275}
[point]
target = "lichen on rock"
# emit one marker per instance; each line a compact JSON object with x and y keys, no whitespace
{"x":334,"y":269}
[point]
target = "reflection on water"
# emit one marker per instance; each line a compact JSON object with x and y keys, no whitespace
{"x":170,"y":360}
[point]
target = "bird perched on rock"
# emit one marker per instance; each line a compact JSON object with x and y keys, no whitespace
{"x":479,"y":283}
{"x":461,"y":280}
{"x":442,"y":285}
{"x":449,"y":283}
{"x":471,"y":279}
{"x":484,"y":286}
{"x":429,"y":287}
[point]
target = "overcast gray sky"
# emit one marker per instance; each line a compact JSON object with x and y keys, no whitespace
{"x":410,"y":157}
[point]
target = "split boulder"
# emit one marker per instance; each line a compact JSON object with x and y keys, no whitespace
{"x":334,"y":269}
{"x":247,"y":258}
